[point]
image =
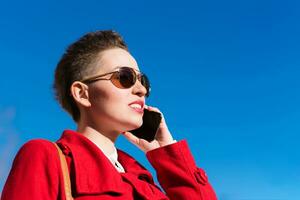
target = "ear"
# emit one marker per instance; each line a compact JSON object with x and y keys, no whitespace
{"x":80,"y":93}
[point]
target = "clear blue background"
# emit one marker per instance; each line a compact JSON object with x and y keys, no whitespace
{"x":225,"y":74}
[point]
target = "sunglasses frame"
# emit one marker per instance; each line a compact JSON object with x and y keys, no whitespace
{"x":137,"y":76}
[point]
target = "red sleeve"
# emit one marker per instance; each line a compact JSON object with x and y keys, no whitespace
{"x":34,"y":173}
{"x":178,"y":174}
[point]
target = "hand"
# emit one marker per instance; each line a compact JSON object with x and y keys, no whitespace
{"x":163,"y":136}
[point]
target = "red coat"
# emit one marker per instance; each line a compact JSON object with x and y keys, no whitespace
{"x":36,"y":173}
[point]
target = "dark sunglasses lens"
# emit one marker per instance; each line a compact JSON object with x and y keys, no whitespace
{"x":125,"y":78}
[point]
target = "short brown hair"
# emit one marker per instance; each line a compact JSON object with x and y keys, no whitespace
{"x":77,"y":63}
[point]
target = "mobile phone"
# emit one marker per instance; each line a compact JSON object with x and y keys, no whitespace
{"x":151,"y":121}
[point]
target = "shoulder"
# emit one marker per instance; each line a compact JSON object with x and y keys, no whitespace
{"x":37,"y":149}
{"x":34,"y":173}
{"x":38,"y":145}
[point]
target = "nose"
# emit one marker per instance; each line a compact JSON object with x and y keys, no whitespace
{"x":139,"y":89}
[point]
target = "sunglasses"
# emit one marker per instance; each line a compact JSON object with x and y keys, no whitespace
{"x":124,"y":78}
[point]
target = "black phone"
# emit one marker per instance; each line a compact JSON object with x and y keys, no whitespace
{"x":151,"y":121}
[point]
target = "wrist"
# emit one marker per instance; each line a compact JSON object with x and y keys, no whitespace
{"x":167,"y":143}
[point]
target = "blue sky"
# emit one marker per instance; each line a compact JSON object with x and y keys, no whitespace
{"x":225,"y":74}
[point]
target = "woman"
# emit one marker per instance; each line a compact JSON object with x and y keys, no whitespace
{"x":99,"y":83}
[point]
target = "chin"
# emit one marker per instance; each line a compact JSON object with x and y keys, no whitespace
{"x":134,"y":123}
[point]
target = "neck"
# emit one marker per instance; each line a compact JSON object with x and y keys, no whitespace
{"x":103,"y":139}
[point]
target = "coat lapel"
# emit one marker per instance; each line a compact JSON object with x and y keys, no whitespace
{"x":94,"y":173}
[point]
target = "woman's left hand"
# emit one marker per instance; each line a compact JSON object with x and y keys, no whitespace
{"x":163,"y":136}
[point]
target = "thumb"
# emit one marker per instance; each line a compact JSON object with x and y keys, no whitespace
{"x":140,"y":143}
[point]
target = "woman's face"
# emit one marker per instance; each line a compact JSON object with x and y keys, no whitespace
{"x":111,"y":107}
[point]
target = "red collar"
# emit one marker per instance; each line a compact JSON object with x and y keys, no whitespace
{"x":94,"y":173}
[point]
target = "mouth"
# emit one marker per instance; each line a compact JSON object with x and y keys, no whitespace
{"x":137,"y":106}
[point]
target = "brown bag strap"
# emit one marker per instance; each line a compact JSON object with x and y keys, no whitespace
{"x":65,"y":171}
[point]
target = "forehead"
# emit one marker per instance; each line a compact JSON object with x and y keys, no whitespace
{"x":111,"y":59}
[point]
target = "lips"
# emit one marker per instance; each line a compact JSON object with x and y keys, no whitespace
{"x":137,"y":106}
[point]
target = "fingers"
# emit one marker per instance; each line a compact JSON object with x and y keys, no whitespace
{"x":155,"y":109}
{"x":152,"y":108}
{"x":140,"y":143}
{"x":132,"y":138}
{"x":163,"y":134}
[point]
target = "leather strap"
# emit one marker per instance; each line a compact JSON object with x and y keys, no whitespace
{"x":65,"y":172}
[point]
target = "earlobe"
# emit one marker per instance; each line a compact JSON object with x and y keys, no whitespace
{"x":80,"y":93}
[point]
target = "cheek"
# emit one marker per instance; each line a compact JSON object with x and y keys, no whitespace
{"x":97,"y":97}
{"x":107,"y":99}
{"x":110,"y":106}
